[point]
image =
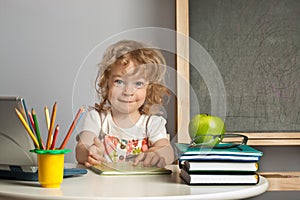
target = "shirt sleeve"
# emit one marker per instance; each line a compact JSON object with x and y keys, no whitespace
{"x":156,"y":128}
{"x":91,"y":122}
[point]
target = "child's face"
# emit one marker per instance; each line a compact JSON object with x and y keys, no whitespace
{"x":127,"y":89}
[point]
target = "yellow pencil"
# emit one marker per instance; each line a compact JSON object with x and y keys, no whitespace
{"x":47,"y":117}
{"x":27,"y":128}
{"x":53,"y":116}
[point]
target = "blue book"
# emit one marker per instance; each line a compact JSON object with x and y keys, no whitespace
{"x":241,"y":153}
{"x":225,"y":158}
{"x":240,"y":150}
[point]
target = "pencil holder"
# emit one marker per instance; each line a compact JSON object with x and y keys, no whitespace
{"x":50,"y":167}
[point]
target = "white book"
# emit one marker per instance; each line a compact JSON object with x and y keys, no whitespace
{"x":194,"y":166}
{"x":219,"y":179}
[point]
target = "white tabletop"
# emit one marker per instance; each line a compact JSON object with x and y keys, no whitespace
{"x":93,"y":186}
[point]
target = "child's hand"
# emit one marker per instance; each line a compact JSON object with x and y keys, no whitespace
{"x":95,"y":153}
{"x":150,"y":159}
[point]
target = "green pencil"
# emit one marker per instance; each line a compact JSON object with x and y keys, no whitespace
{"x":37,"y":130}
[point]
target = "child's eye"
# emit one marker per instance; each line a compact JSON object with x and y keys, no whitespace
{"x":139,"y":84}
{"x":119,"y":83}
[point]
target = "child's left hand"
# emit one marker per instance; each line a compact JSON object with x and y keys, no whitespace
{"x":150,"y":158}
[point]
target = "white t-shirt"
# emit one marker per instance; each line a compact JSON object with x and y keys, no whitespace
{"x":121,"y":142}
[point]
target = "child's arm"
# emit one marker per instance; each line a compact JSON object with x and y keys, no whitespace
{"x":159,"y":154}
{"x":89,"y":149}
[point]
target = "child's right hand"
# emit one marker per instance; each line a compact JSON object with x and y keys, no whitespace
{"x":95,"y":153}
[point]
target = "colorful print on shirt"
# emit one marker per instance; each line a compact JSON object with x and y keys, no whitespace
{"x":118,"y":149}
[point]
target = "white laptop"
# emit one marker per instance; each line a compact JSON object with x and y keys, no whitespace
{"x":16,"y":162}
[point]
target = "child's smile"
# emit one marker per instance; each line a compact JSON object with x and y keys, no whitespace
{"x":126,"y":101}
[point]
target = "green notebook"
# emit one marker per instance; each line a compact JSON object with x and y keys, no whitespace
{"x":241,"y":150}
{"x":127,"y":168}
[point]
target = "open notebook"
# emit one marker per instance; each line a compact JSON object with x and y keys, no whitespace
{"x":16,"y":162}
{"x":127,"y":168}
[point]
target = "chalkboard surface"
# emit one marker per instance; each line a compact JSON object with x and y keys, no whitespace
{"x":255,"y":44}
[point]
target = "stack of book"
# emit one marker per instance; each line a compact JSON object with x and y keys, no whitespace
{"x":235,"y":165}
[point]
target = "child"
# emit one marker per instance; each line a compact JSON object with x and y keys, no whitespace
{"x":123,"y":126}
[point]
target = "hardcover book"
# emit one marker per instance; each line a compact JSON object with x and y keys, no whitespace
{"x":241,"y":150}
{"x":215,"y":166}
{"x":233,"y":158}
{"x":219,"y":179}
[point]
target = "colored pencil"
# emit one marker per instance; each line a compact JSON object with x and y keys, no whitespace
{"x":27,"y":116}
{"x":53,"y":116}
{"x":47,"y":117}
{"x":37,"y":129}
{"x":27,"y":128}
{"x":31,"y":120}
{"x":54,"y":137}
{"x":72,"y":127}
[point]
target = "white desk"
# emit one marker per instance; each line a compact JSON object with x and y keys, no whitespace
{"x":92,"y":186}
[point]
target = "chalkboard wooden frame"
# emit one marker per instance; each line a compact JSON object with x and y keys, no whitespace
{"x":183,"y":96}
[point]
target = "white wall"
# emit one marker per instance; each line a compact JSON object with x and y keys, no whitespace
{"x":44,"y":44}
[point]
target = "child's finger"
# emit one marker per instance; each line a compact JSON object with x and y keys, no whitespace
{"x":96,"y":154}
{"x":151,"y":159}
{"x":90,"y":162}
{"x":98,"y":144}
{"x":87,"y":164}
{"x":162,"y":163}
{"x":154,"y":160}
{"x":139,"y":159}
{"x":94,"y":161}
{"x":96,"y":148}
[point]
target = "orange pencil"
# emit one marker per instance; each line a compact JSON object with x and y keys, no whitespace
{"x":53,"y":116}
{"x":54,"y":137}
{"x":76,"y":119}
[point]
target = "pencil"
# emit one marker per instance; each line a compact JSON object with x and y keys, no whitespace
{"x":47,"y":117}
{"x":27,"y":116}
{"x":53,"y":116}
{"x":27,"y":128}
{"x":37,"y":129}
{"x":54,"y":137}
{"x":75,"y":121}
{"x":31,"y":120}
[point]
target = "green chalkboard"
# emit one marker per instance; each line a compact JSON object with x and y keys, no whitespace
{"x":256,"y":47}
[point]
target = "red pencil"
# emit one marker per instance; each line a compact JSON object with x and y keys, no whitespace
{"x":76,"y":119}
{"x":54,"y":137}
{"x":31,"y":121}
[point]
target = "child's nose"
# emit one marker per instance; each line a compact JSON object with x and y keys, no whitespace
{"x":128,"y":90}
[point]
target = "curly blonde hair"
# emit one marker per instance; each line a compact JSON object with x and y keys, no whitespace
{"x":151,"y":60}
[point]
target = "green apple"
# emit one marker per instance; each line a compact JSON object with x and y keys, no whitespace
{"x":203,"y":124}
